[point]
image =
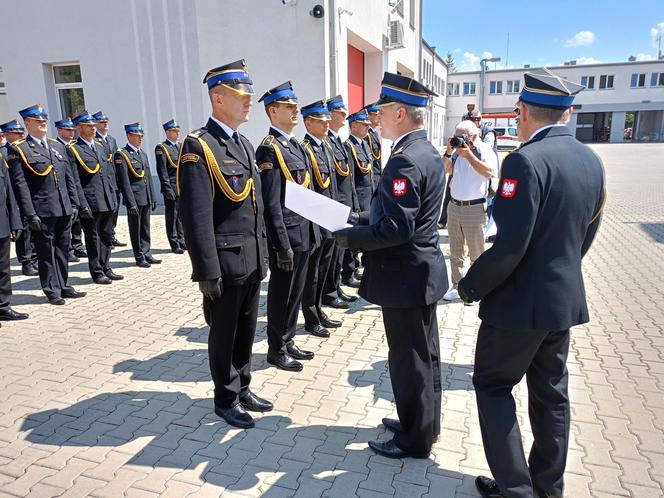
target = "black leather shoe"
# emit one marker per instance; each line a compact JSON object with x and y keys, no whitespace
{"x":235,"y":416}
{"x":487,"y":487}
{"x":73,"y":294}
{"x":152,"y":261}
{"x":117,"y":243}
{"x":30,"y":270}
{"x":9,"y":314}
{"x":143,"y":264}
{"x":392,"y":424}
{"x":346,"y":297}
{"x":335,"y":303}
{"x":80,"y":253}
{"x":389,"y":449}
{"x":114,"y":276}
{"x":326,"y":321}
{"x":72,"y":259}
{"x":103,"y":280}
{"x":299,"y":354}
{"x":253,"y":403}
{"x":178,"y":250}
{"x":57,"y":301}
{"x":351,"y":282}
{"x":284,"y":361}
{"x":317,"y":330}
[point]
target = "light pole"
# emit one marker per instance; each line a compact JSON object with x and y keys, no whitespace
{"x":482,"y":77}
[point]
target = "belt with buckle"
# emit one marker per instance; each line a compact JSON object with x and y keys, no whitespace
{"x":468,"y":203}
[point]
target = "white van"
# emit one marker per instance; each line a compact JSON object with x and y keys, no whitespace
{"x":506,"y":137}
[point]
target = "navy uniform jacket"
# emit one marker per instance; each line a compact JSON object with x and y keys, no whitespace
{"x":10,"y":218}
{"x":96,"y":175}
{"x":360,"y":158}
{"x":547,"y":209}
{"x":133,"y":171}
{"x":225,"y":237}
{"x":344,"y":173}
{"x":323,"y":177}
{"x":285,"y":229}
{"x":166,"y":156}
{"x":404,"y":264}
{"x":110,"y":146}
{"x":42,"y":178}
{"x":373,"y":141}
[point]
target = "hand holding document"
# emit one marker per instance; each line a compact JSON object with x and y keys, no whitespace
{"x":323,"y":211}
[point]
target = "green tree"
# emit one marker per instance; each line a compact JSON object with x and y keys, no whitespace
{"x":449,"y":60}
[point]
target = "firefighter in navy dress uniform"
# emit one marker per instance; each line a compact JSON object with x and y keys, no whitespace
{"x":405,"y":271}
{"x":48,"y":197}
{"x":281,"y":158}
{"x":531,"y":290}
{"x":222,"y":217}
{"x":133,"y":170}
{"x":374,"y":142}
{"x":166,"y":155}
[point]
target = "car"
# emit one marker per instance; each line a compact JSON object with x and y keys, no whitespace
{"x":506,"y":137}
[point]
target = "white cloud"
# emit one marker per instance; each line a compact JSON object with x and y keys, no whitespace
{"x":644,"y":57}
{"x":654,"y":32}
{"x":470,"y":62}
{"x":487,"y":55}
{"x":580,"y":39}
{"x":586,"y":60}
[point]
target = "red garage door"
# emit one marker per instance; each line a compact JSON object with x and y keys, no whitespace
{"x":355,"y":79}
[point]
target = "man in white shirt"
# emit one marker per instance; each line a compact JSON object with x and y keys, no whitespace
{"x":473,"y":163}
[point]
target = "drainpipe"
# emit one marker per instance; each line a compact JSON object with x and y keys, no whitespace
{"x":333,"y":42}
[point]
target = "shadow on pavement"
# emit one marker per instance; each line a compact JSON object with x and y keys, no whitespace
{"x":654,"y":230}
{"x":172,"y":430}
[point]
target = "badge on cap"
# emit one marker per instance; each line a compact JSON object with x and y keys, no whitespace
{"x":509,"y":188}
{"x":399,"y":187}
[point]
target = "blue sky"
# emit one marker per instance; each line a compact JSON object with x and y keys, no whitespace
{"x":582,"y":30}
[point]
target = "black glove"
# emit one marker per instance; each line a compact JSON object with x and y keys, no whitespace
{"x":342,"y":237}
{"x":462,"y":292}
{"x":34,"y":222}
{"x":285,"y":260}
{"x":133,"y":210}
{"x":354,"y":218}
{"x":85,"y":214}
{"x":74,"y":212}
{"x":154,"y":206}
{"x":170,"y":196}
{"x":212,"y":289}
{"x":15,"y":234}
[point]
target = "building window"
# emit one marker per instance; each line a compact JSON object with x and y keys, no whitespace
{"x":69,"y":89}
{"x":638,"y":80}
{"x":469,"y":88}
{"x":588,"y":82}
{"x":513,"y":86}
{"x":411,"y":14}
{"x":453,"y":89}
{"x":495,"y":87}
{"x":657,"y":79}
{"x":400,"y":7}
{"x":605,"y":81}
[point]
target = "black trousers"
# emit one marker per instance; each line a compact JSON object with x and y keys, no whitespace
{"x":174,"y":231}
{"x":232,"y":320}
{"x":319,"y":265}
{"x":350,"y":263}
{"x":502,"y":358}
{"x":117,"y":211}
{"x":446,"y":201}
{"x":333,"y":278}
{"x":99,"y":242}
{"x":414,"y":362}
{"x":76,"y":243}
{"x":26,"y":250}
{"x":139,"y":232}
{"x":5,"y":274}
{"x":52,"y":255}
{"x":284,"y":295}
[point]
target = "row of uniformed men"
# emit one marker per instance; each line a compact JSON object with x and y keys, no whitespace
{"x":55,"y":189}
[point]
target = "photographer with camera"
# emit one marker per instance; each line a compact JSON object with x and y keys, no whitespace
{"x":473,"y":163}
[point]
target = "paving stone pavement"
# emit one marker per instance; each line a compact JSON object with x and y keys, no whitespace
{"x":110,"y":395}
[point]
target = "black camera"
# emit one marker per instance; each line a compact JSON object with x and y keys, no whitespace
{"x":459,"y":141}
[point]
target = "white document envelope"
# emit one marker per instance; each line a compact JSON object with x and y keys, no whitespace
{"x":323,"y":211}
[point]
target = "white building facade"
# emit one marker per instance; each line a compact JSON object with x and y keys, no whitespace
{"x":433,"y":74}
{"x":144,"y":60}
{"x":622,"y":101}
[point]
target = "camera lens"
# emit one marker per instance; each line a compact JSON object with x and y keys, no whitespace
{"x":456,"y":142}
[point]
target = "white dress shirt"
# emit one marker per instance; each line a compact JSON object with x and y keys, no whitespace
{"x":467,"y":184}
